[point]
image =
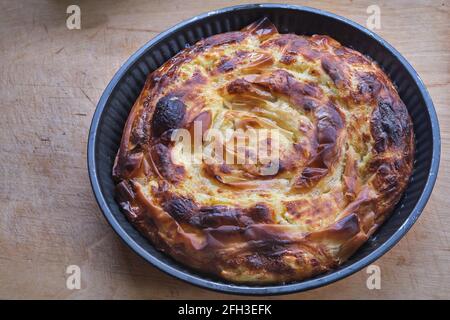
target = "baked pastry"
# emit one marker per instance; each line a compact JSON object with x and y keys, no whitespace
{"x":345,"y":154}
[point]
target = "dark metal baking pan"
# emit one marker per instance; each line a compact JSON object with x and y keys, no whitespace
{"x":119,"y":96}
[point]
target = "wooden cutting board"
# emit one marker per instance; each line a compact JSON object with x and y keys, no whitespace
{"x":50,"y":81}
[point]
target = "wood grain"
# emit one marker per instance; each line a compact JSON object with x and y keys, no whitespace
{"x":50,"y":81}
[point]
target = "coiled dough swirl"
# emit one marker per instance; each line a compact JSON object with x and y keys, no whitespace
{"x":345,"y":155}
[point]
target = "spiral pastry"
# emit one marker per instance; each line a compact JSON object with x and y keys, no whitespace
{"x":343,"y":154}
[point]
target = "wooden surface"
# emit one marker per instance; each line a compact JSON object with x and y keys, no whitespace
{"x":50,"y":81}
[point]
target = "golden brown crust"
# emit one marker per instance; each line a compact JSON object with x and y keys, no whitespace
{"x":346,"y":155}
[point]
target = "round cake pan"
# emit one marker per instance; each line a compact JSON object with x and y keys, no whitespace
{"x":119,"y":96}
